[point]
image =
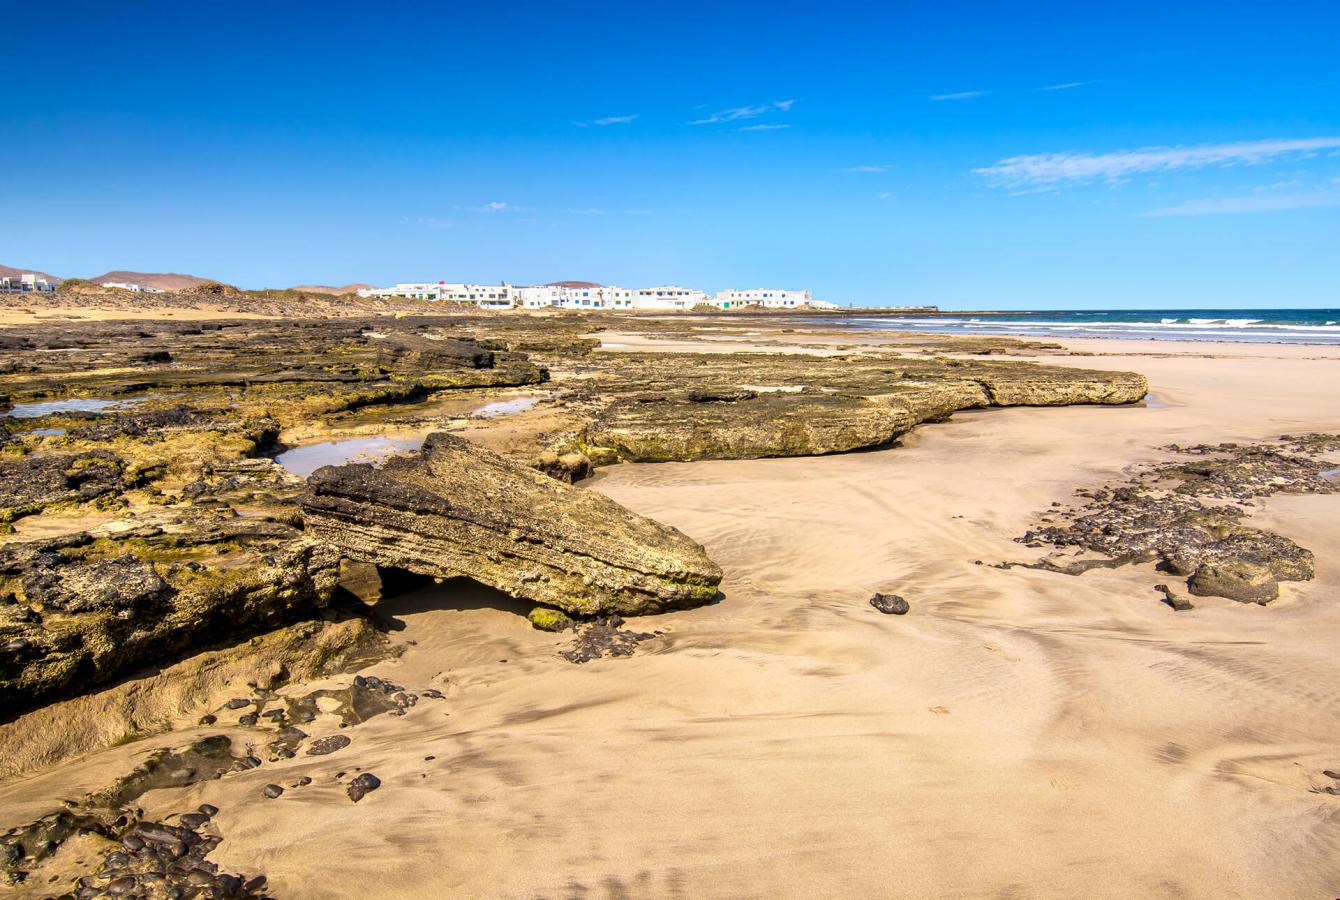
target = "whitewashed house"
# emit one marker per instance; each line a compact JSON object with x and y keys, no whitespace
{"x":768,"y":298}
{"x":133,"y":287}
{"x":25,"y":283}
{"x":539,"y":296}
{"x":669,"y":297}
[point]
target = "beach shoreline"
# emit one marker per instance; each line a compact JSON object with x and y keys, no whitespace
{"x":1070,"y":735}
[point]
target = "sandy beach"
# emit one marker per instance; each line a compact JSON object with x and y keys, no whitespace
{"x":1018,"y":733}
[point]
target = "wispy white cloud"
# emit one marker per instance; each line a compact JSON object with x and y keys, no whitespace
{"x":1065,"y":86}
{"x":959,"y":95}
{"x":884,"y":195}
{"x":1048,"y":170}
{"x":1251,"y":203}
{"x":868,"y":170}
{"x":745,"y":112}
{"x":764,"y":127}
{"x":615,"y":120}
{"x":497,"y":206}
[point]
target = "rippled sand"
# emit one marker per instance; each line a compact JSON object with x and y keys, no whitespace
{"x":1018,"y":733}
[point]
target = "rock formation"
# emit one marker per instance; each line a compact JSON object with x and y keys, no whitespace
{"x":79,"y":610}
{"x":456,"y":509}
{"x":1159,"y":516}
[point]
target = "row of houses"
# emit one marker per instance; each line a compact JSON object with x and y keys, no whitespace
{"x":587,"y":295}
{"x":26,"y":283}
{"x":134,"y":287}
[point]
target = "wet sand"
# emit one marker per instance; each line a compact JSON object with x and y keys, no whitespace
{"x":1018,"y":733}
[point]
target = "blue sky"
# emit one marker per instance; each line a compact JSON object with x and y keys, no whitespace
{"x":971,"y":155}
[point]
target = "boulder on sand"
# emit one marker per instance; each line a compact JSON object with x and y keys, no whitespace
{"x":455,"y":509}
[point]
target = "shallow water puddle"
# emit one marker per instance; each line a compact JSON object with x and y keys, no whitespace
{"x":505,"y":407}
{"x":303,"y":461}
{"x":49,"y":407}
{"x":1153,"y":401}
{"x":1333,"y":474}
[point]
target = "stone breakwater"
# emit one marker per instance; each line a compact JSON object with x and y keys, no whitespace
{"x":1190,"y":517}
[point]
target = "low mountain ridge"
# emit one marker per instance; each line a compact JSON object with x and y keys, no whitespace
{"x":11,"y":272}
{"x":168,"y":281}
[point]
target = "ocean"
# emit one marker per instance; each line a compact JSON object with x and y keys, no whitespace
{"x":1288,"y":326}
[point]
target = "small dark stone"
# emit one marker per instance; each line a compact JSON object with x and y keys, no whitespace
{"x":429,"y":758}
{"x":1330,"y":773}
{"x":208,"y":809}
{"x":254,"y":884}
{"x":303,"y":781}
{"x":251,"y":762}
{"x":132,"y":842}
{"x":272,"y":791}
{"x":248,"y":720}
{"x":238,"y":703}
{"x":1173,"y":598}
{"x":325,"y":745}
{"x":890,"y":604}
{"x":193,"y":820}
{"x":123,"y":885}
{"x":208,"y":719}
{"x":116,"y":859}
{"x":364,"y":784}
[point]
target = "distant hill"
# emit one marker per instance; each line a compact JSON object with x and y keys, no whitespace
{"x":573,"y":284}
{"x":328,"y":289}
{"x":12,"y":272}
{"x":168,"y":281}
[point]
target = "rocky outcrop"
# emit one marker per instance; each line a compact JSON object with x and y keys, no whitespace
{"x":1161,"y":515}
{"x":667,"y":406}
{"x":456,"y":509}
{"x":80,"y":610}
{"x":177,"y":694}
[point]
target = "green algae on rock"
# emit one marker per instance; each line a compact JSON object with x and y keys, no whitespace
{"x":77,"y":611}
{"x":456,"y":509}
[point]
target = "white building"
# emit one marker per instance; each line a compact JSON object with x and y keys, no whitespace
{"x":669,"y":297}
{"x":26,"y":283}
{"x":539,"y":296}
{"x":768,"y":298}
{"x":594,"y":296}
{"x":132,"y":286}
{"x":488,"y":296}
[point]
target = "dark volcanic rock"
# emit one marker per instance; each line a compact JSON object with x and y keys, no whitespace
{"x":1174,"y":514}
{"x":457,"y":510}
{"x":30,"y":484}
{"x":327,"y":745}
{"x":363,"y":785}
{"x":603,"y":636}
{"x":889,"y":604}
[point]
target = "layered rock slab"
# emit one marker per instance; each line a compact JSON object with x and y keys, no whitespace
{"x":456,"y":509}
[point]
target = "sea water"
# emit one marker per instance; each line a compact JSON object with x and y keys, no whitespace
{"x":1290,"y":326}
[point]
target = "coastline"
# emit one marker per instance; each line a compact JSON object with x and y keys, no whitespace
{"x":1069,"y":735}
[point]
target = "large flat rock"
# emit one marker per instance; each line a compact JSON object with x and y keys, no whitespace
{"x":455,"y":509}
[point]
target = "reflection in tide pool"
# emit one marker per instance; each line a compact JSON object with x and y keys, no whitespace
{"x":303,"y":461}
{"x":504,"y":407}
{"x":48,"y":407}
